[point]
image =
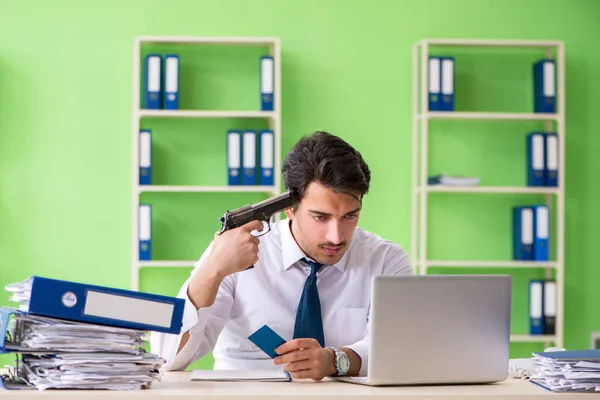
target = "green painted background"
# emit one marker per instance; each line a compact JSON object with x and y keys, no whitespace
{"x":65,"y":128}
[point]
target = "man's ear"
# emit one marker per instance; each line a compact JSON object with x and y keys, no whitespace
{"x":289,"y":213}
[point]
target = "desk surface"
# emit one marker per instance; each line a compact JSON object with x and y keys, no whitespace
{"x":177,"y":385}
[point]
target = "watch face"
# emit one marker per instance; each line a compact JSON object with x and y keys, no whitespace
{"x":344,"y":363}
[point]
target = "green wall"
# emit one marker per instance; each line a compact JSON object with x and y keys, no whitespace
{"x":65,"y":128}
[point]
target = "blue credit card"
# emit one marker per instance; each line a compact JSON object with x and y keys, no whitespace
{"x":267,"y":340}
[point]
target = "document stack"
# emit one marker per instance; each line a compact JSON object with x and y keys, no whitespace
{"x":65,"y":337}
{"x":453,"y":180}
{"x":567,"y":371}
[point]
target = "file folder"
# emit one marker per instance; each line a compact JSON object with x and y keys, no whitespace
{"x":152,"y":78}
{"x":536,"y":301}
{"x":549,"y":307}
{"x":102,"y":305}
{"x":267,"y":83}
{"x":544,"y":86}
{"x":267,"y":139}
{"x":447,"y":84}
{"x":234,"y":157}
{"x":145,"y":232}
{"x":249,"y":158}
{"x":145,"y":157}
{"x":535,"y":159}
{"x":523,"y":233}
{"x":551,"y":159}
{"x":540,"y":241}
{"x":435,"y":77}
{"x":171,"y":98}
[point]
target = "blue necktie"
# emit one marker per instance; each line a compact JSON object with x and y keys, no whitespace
{"x":309,"y":323}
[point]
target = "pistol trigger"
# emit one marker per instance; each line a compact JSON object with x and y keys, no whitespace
{"x":266,"y":228}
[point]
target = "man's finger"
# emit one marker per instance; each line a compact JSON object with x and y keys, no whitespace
{"x":300,"y":365}
{"x":293,"y":356}
{"x":297,"y":344}
{"x":252,"y":225}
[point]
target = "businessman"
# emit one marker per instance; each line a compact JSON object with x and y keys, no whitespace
{"x":311,"y":281}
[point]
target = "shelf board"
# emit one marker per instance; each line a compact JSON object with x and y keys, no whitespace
{"x":167,"y":264}
{"x":490,"y":264}
{"x":206,"y":189}
{"x":533,"y":338}
{"x":491,"y":116}
{"x":204,"y":114}
{"x":491,"y":43}
{"x":492,"y":189}
{"x":215,"y":40}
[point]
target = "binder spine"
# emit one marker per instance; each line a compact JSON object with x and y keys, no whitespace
{"x":267,"y":83}
{"x":249,"y":158}
{"x":152,"y":82}
{"x":267,"y":156}
{"x":542,"y":231}
{"x":535,"y":159}
{"x":434,"y":80}
{"x":145,"y":232}
{"x":544,"y":86}
{"x":234,"y":157}
{"x":145,"y":156}
{"x":171,"y":98}
{"x":536,"y":301}
{"x":447,"y":83}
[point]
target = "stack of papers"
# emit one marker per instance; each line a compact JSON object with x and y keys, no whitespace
{"x":58,"y":354}
{"x":567,"y":371}
{"x":451,"y":180}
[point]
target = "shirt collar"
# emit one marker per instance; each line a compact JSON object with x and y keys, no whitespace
{"x":292,"y":253}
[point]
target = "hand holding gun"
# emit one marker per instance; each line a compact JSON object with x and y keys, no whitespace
{"x":261,"y":211}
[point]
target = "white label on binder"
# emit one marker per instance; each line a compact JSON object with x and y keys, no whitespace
{"x":550,"y":298}
{"x":549,"y":79}
{"x":145,"y":149}
{"x":266,"y":70}
{"x":129,"y":309}
{"x":447,"y":76}
{"x":266,"y":150}
{"x":144,"y":222}
{"x":171,"y":74}
{"x":154,"y":74}
{"x":535,"y":300}
{"x":542,"y":222}
{"x":552,"y":152}
{"x":527,"y":226}
{"x":233,"y":159}
{"x":249,"y":150}
{"x":434,"y":75}
{"x":538,"y":152}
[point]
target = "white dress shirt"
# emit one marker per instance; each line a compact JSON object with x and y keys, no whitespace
{"x":269,"y":294}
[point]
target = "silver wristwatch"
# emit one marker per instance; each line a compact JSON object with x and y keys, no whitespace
{"x":342,"y":363}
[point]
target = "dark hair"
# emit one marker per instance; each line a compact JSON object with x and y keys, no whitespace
{"x":328,"y":160}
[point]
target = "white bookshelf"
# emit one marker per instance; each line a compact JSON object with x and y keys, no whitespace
{"x":138,"y":114}
{"x":421,"y":190}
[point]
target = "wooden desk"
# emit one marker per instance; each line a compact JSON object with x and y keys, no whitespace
{"x":177,"y":385}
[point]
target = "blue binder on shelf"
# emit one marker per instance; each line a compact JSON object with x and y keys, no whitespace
{"x":145,"y":157}
{"x":234,"y":157}
{"x":523,"y":233}
{"x":267,"y":83}
{"x":171,"y":97}
{"x":434,"y":82}
{"x":544,"y":86}
{"x":551,"y":161}
{"x":145,"y":232}
{"x":535,"y":159}
{"x":152,"y":82}
{"x":541,"y":220}
{"x":102,"y":305}
{"x":267,"y":156}
{"x":249,"y":158}
{"x":536,"y":311}
{"x":447,"y":83}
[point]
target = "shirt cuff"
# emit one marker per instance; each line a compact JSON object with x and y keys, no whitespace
{"x":362,"y":349}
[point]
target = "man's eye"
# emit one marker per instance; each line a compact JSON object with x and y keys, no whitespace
{"x":319,"y":217}
{"x":351,"y":216}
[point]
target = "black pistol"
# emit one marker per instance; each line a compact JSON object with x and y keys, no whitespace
{"x":261,"y":211}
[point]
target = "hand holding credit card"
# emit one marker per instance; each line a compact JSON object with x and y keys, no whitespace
{"x":267,"y":340}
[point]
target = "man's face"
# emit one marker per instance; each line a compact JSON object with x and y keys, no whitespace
{"x":324,"y":223}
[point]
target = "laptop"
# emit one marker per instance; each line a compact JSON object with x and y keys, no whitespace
{"x":438,"y":329}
